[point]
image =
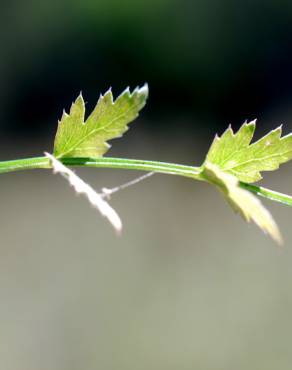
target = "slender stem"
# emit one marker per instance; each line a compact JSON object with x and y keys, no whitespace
{"x":267,"y":193}
{"x":135,"y":164}
{"x":106,"y":162}
{"x":24,"y":164}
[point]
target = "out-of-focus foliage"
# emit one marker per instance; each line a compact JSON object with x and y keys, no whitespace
{"x":219,"y":60}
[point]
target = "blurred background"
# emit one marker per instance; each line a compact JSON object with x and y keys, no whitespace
{"x":188,"y":285}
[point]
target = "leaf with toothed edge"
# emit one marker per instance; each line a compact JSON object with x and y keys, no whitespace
{"x":233,"y":153}
{"x":242,"y":201}
{"x":77,"y":137}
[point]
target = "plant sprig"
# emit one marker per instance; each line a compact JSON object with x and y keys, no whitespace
{"x":232,"y":163}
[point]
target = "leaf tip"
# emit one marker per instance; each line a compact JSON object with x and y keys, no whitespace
{"x":64,"y":114}
{"x":251,"y":124}
{"x":144,"y":90}
{"x":108,"y":91}
{"x":79,"y":99}
{"x":273,"y":231}
{"x":126,"y":91}
{"x":279,"y":129}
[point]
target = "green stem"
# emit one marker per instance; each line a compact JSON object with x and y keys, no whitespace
{"x":135,"y":164}
{"x":24,"y":164}
{"x":106,"y":162}
{"x":267,"y":193}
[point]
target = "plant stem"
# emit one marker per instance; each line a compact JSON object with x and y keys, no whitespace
{"x":135,"y":164}
{"x":24,"y":164}
{"x":105,"y":162}
{"x":267,"y":193}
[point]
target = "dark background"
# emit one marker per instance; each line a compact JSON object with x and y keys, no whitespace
{"x":189,"y":285}
{"x":214,"y":62}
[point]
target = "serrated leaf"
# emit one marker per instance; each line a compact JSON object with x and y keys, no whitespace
{"x":109,"y":119}
{"x":242,"y":201}
{"x":233,"y":153}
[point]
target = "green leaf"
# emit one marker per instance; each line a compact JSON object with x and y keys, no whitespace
{"x":242,"y":201}
{"x":79,"y":138}
{"x":233,"y":153}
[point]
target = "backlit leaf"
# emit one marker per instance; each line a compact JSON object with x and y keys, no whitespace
{"x":77,"y":137}
{"x":233,"y":153}
{"x":242,"y":201}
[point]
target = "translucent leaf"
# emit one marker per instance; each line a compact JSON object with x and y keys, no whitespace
{"x":242,"y":201}
{"x":233,"y":153}
{"x":77,"y":137}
